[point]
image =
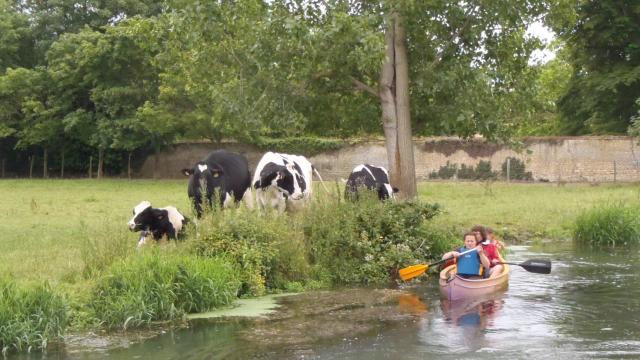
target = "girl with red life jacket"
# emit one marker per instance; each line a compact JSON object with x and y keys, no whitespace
{"x":471,"y":263}
{"x":495,"y":267}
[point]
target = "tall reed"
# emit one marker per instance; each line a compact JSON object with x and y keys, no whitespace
{"x":30,"y":317}
{"x":608,"y":225}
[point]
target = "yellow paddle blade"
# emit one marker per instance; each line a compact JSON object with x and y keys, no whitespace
{"x":412,"y":271}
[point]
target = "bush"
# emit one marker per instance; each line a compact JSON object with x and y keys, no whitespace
{"x":368,"y":241}
{"x":445,"y":172}
{"x":517,"y":170}
{"x":308,"y":146}
{"x":268,"y":248}
{"x":30,"y":318}
{"x":613,"y":225}
{"x":155,"y":286}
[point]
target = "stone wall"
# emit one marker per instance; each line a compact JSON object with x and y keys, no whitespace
{"x":571,"y":159}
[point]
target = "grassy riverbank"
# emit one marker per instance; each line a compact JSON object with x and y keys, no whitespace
{"x":72,"y":235}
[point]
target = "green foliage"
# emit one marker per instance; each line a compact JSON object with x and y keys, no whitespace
{"x":307,"y":146}
{"x":517,"y":170}
{"x":605,"y":56}
{"x":482,"y":171}
{"x":447,"y":171}
{"x":267,"y":249}
{"x":608,"y":226}
{"x":157,"y":286}
{"x":366,"y":242}
{"x":30,"y":317}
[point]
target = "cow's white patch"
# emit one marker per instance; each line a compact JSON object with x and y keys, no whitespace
{"x":202,"y":167}
{"x":228,"y":200}
{"x":390,"y":191}
{"x":175,"y":218}
{"x":136,"y":211}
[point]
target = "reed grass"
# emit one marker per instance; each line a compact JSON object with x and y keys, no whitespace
{"x":608,"y":225}
{"x":30,"y":317}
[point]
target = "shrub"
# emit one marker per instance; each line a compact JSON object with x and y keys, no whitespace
{"x":368,"y":241}
{"x":308,"y":146}
{"x":268,"y":249}
{"x":517,"y":170}
{"x":445,"y":172}
{"x":30,"y":317}
{"x":610,"y":225}
{"x":156,"y":285}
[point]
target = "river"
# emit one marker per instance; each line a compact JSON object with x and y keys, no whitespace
{"x":588,"y":307}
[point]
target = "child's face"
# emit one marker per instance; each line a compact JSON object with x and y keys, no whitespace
{"x":469,"y":241}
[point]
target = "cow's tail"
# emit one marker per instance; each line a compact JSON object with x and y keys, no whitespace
{"x":321,"y":181}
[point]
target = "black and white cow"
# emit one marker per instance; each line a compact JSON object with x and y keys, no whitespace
{"x":283,"y":181}
{"x":223,"y":172}
{"x":167,"y":221}
{"x":373,"y":178}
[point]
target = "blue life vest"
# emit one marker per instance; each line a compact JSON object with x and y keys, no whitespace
{"x":469,"y":264}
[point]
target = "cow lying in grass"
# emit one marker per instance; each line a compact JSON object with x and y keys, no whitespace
{"x":164,"y":222}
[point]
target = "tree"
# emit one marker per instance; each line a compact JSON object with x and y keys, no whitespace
{"x":603,"y":38}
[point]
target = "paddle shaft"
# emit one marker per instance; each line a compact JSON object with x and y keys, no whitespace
{"x":533,"y":265}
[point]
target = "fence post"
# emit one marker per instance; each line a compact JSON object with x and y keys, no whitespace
{"x":615,"y":171}
{"x":508,"y":169}
{"x":90,"y":165}
{"x":3,"y":163}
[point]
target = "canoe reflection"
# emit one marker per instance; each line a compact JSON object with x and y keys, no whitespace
{"x":471,"y":313}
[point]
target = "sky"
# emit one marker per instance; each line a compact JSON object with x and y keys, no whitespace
{"x":545,"y":34}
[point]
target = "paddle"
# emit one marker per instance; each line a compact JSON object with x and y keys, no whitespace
{"x":534,"y":265}
{"x":412,"y":271}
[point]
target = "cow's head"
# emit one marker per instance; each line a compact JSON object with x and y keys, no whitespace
{"x":204,"y":179}
{"x":386,"y":191}
{"x":285,"y":178}
{"x":145,"y":217}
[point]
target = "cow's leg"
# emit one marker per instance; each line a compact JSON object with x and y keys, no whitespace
{"x":247,"y":198}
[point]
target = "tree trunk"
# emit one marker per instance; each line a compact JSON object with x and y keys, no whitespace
{"x":100,"y":163}
{"x":31,"y":162}
{"x":396,"y":111}
{"x":388,"y":104}
{"x":90,"y":166}
{"x":156,"y":163}
{"x":129,"y":166}
{"x":62,"y":164}
{"x":403,"y":111}
{"x":4,"y":161}
{"x":45,"y":165}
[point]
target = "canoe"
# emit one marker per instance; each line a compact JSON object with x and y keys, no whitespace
{"x":454,"y":287}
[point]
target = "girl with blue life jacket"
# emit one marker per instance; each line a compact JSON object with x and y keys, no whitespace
{"x":470,"y":259}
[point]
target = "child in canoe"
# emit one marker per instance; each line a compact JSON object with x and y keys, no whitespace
{"x":471,"y":263}
{"x":491,"y":250}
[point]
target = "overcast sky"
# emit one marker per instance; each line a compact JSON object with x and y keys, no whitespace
{"x":545,"y":34}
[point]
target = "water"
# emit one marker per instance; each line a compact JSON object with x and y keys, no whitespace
{"x":588,"y":307}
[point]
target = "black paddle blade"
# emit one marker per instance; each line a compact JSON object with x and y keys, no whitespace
{"x":537,"y":266}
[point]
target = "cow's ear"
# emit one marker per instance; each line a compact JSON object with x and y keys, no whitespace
{"x":188,"y":172}
{"x":395,"y":190}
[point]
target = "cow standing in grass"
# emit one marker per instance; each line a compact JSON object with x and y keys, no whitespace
{"x":223,"y":172}
{"x":283,"y":181}
{"x":163,"y":222}
{"x":375,"y":178}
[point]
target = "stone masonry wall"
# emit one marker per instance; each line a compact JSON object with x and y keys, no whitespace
{"x":571,"y":159}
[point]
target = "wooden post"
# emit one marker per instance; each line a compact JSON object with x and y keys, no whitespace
{"x":31,"y":161}
{"x":62,"y":165}
{"x":129,"y":166}
{"x":3,"y":163}
{"x":615,"y":171}
{"x":90,"y":165}
{"x":508,"y":169}
{"x":45,"y":172}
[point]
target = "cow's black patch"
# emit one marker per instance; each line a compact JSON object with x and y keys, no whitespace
{"x":225,"y":172}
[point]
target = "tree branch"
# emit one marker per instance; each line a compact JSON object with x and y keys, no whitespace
{"x":364,"y":87}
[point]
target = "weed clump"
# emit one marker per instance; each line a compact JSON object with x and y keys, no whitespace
{"x":610,"y":225}
{"x":154,"y":286}
{"x":30,"y":317}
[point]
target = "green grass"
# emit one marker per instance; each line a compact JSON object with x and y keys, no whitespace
{"x":608,"y":226}
{"x":523,"y":211}
{"x":47,"y":224}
